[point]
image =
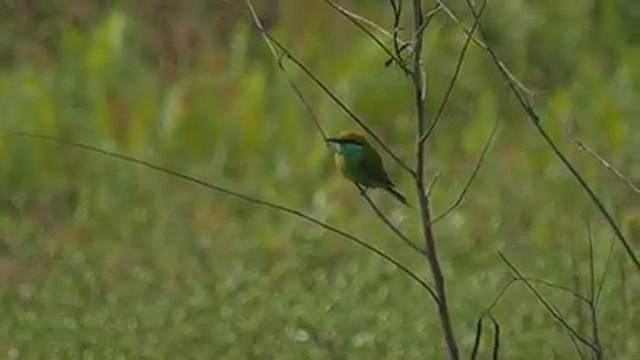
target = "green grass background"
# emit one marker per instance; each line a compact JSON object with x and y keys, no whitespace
{"x":102,"y":259}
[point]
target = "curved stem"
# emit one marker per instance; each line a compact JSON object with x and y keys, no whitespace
{"x":241,"y":196}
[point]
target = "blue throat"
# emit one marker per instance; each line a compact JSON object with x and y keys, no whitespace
{"x":349,"y":149}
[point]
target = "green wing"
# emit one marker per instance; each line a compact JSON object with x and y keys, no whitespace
{"x":374,"y":168}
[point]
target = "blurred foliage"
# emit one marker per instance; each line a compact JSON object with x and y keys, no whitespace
{"x":102,"y":259}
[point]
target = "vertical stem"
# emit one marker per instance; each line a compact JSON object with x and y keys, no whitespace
{"x":593,"y":306}
{"x":429,"y":238}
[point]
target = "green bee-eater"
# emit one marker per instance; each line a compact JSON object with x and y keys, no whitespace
{"x":359,"y":162}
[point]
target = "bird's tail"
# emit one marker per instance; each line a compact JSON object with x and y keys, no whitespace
{"x":397,"y":195}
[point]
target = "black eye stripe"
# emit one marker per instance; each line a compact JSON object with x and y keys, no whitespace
{"x":351,"y":142}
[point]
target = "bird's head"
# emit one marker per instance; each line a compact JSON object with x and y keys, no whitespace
{"x":348,"y":143}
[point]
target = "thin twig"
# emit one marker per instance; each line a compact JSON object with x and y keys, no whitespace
{"x":501,"y":293}
{"x":552,"y":310}
{"x":514,"y":280}
{"x":358,"y":20}
{"x":296,"y":89}
{"x":419,"y":32}
{"x":478,"y":337}
{"x":454,"y":78}
{"x":238,"y":195}
{"x":427,"y":20}
{"x":607,"y":165}
{"x":496,"y":338}
{"x":432,"y":184}
{"x":607,"y":264}
{"x":457,"y":21}
{"x":473,"y":176}
{"x":535,"y":120}
{"x":566,"y":289}
{"x":397,"y":15}
{"x":485,"y":47}
{"x":387,"y":222}
{"x":527,"y":281}
{"x":595,"y":333}
{"x":327,"y":91}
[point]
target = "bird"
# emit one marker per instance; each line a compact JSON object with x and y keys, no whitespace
{"x":358,"y":161}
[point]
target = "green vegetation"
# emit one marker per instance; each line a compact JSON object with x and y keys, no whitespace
{"x":104,"y":259}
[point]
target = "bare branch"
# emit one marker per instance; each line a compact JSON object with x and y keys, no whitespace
{"x":473,"y":176}
{"x":607,"y":165}
{"x":501,"y":293}
{"x":432,"y":184}
{"x":454,"y":78}
{"x":535,"y":121}
{"x":387,"y":222}
{"x":483,"y":46}
{"x":476,"y":341}
{"x":595,"y":333}
{"x":358,"y":20}
{"x":419,"y":93}
{"x":327,"y":91}
{"x":514,"y":280}
{"x":527,"y":282}
{"x":296,"y":89}
{"x":455,"y":19}
{"x":563,"y":288}
{"x":398,"y":45}
{"x":607,"y":264}
{"x":496,"y":338}
{"x":238,"y":195}
{"x":551,"y":309}
{"x":427,"y":20}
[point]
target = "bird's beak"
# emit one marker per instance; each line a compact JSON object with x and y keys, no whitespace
{"x":333,"y":144}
